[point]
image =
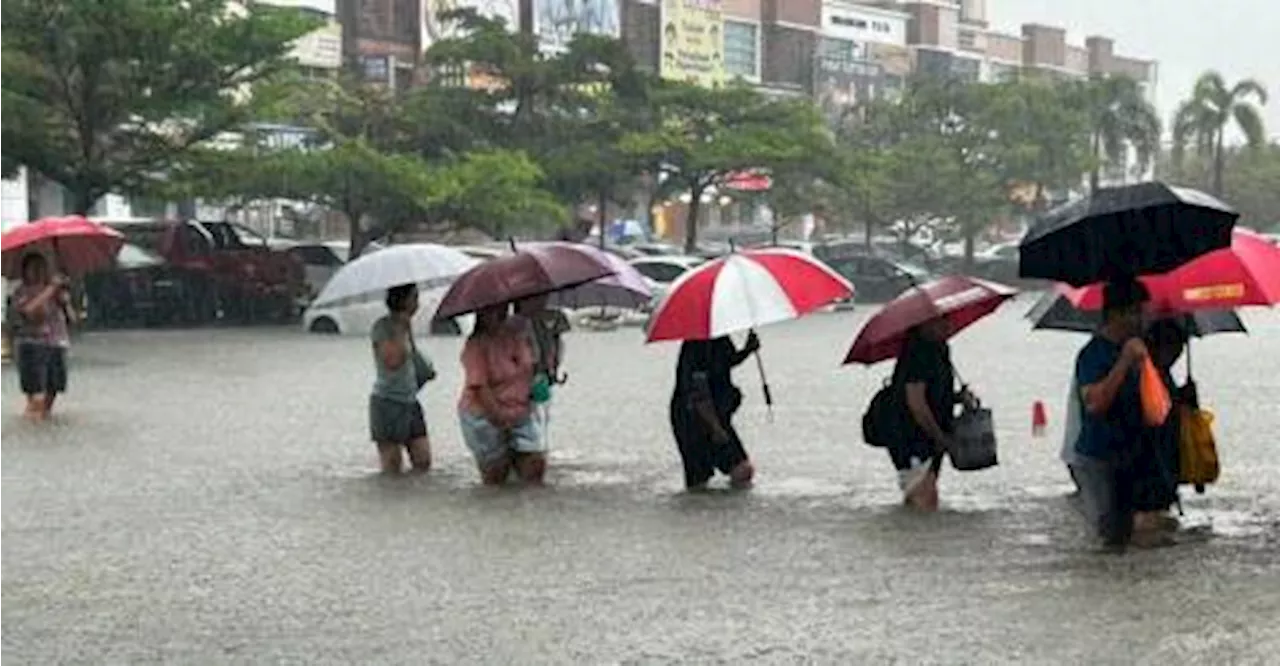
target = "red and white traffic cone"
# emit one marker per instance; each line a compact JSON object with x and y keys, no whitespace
{"x":1039,"y":419}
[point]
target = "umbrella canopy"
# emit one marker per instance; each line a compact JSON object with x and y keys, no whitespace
{"x":1247,"y":273}
{"x":427,"y":265}
{"x":961,"y":300}
{"x":78,"y":245}
{"x":626,"y":288}
{"x":1054,"y":312}
{"x":1125,"y":231}
{"x":745,"y":290}
{"x":534,"y":269}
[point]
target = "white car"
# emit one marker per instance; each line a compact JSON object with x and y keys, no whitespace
{"x":661,"y":271}
{"x":358,"y":318}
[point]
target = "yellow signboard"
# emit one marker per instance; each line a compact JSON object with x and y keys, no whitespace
{"x":693,"y":41}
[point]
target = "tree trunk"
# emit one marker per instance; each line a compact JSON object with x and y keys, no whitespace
{"x":691,"y":219}
{"x":1093,"y":175}
{"x":969,"y":243}
{"x":356,"y":238}
{"x":1218,"y":159}
{"x":82,"y":200}
{"x":602,"y":201}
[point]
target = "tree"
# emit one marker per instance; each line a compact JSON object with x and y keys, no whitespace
{"x":1251,"y":181}
{"x":698,"y":137}
{"x":1119,"y":118}
{"x":105,"y":95}
{"x":1203,"y":119}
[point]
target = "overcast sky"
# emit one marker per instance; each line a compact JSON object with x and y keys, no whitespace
{"x":1240,"y":38}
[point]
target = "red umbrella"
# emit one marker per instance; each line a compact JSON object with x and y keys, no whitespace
{"x":1247,"y":273}
{"x":962,"y":300}
{"x":745,"y":290}
{"x":532,"y":270}
{"x":79,"y":245}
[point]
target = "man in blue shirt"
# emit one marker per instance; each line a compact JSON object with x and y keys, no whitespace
{"x":1111,"y":423}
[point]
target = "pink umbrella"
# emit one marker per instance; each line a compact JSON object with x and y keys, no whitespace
{"x":533,"y":270}
{"x":79,"y":245}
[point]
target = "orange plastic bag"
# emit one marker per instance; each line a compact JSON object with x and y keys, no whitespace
{"x":1155,"y":396}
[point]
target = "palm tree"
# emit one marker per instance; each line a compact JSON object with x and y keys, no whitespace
{"x":1120,"y":117}
{"x":1203,"y":119}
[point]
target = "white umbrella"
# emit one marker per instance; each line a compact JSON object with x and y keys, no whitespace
{"x":427,"y":265}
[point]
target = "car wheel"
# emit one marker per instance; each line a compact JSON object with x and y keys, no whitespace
{"x":324,"y":325}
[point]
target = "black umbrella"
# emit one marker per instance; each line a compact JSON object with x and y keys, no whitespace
{"x":1053,"y":312}
{"x":1121,"y":232}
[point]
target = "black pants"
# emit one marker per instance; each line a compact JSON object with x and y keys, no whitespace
{"x":42,"y":368}
{"x":699,"y":451}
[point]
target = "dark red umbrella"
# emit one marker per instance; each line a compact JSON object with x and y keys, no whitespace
{"x":78,"y":245}
{"x":962,"y":300}
{"x":1247,"y":273}
{"x":532,"y":270}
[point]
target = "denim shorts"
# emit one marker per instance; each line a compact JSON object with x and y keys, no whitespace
{"x":490,"y":444}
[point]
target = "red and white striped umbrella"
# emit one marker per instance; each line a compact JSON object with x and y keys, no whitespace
{"x":745,"y":290}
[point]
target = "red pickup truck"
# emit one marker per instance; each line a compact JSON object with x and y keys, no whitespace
{"x":227,"y":270}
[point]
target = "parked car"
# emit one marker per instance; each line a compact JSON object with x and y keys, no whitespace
{"x":358,"y":318}
{"x":143,"y":289}
{"x":661,"y":271}
{"x":875,"y":277}
{"x":997,"y":262}
{"x":228,"y":270}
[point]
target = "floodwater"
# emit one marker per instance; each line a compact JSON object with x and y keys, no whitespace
{"x":209,"y":497}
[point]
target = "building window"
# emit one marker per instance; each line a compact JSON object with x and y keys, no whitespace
{"x":968,"y":40}
{"x":740,"y":41}
{"x":833,"y":49}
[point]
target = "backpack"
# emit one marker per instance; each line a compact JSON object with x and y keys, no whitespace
{"x":882,"y":422}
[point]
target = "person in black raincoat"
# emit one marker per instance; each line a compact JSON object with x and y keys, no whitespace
{"x":702,"y":408}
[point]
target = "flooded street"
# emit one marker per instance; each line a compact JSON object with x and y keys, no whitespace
{"x":210,"y":497}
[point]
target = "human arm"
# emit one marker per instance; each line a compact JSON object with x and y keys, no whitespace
{"x":922,"y":414}
{"x":33,"y":306}
{"x":705,"y":407}
{"x":476,"y":381}
{"x":751,"y":346}
{"x":1101,"y":382}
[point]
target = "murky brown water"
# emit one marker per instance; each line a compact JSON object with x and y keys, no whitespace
{"x":208,"y":497}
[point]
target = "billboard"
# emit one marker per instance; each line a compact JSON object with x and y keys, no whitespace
{"x":557,"y":21}
{"x":692,"y":41}
{"x":434,"y":29}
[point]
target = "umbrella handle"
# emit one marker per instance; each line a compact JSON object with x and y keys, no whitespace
{"x":764,"y":384}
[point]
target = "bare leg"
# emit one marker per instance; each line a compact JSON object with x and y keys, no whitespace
{"x":531,"y":467}
{"x":740,"y":476}
{"x":48,"y":403}
{"x":924,"y":495}
{"x":496,"y":473}
{"x":391,"y":457}
{"x":420,"y":455}
{"x":35,"y":407}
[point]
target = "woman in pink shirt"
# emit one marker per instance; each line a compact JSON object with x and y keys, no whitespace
{"x":39,"y":311}
{"x":496,"y":407}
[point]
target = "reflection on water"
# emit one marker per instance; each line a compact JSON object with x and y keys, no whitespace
{"x":210,"y":493}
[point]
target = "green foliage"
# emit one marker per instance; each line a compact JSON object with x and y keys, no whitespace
{"x":1203,"y":119}
{"x":1251,"y":181}
{"x":1119,"y":118}
{"x":103,"y":95}
{"x":697,"y":137}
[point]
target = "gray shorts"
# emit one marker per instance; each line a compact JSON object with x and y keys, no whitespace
{"x":490,"y":444}
{"x":396,"y":422}
{"x":1105,"y":498}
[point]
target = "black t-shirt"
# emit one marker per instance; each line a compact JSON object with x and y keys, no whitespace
{"x":929,"y":363}
{"x":710,"y":361}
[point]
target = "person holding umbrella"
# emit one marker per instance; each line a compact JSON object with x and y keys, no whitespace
{"x":1111,"y":425}
{"x":703,"y":403}
{"x":914,"y":329}
{"x":39,"y":308}
{"x":495,"y":410}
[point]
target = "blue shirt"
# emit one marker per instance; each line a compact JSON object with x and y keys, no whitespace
{"x":1107,"y":436}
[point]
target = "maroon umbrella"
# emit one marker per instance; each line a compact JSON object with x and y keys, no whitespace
{"x":531,"y":270}
{"x":962,"y":300}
